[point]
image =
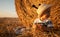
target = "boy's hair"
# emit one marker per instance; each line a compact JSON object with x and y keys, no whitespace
{"x":43,"y":9}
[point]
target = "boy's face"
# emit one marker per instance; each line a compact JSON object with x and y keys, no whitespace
{"x":43,"y":17}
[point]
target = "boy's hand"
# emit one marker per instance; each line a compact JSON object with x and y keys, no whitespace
{"x":39,"y":26}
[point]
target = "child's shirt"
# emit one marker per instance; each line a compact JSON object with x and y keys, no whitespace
{"x":46,"y":22}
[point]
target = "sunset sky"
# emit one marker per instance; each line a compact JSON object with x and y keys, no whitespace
{"x":7,"y":8}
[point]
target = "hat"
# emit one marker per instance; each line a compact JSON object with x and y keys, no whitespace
{"x":42,"y":8}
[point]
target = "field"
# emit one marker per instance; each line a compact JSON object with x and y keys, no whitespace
{"x":7,"y":25}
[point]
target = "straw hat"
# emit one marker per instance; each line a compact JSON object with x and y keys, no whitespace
{"x":42,"y":8}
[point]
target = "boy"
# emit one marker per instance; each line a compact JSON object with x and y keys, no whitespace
{"x":42,"y":21}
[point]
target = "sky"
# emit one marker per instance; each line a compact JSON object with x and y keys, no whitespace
{"x":7,"y":8}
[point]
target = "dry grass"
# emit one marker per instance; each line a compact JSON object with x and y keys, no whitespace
{"x":7,"y":25}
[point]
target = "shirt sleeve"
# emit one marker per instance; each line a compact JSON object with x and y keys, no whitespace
{"x":49,"y":24}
